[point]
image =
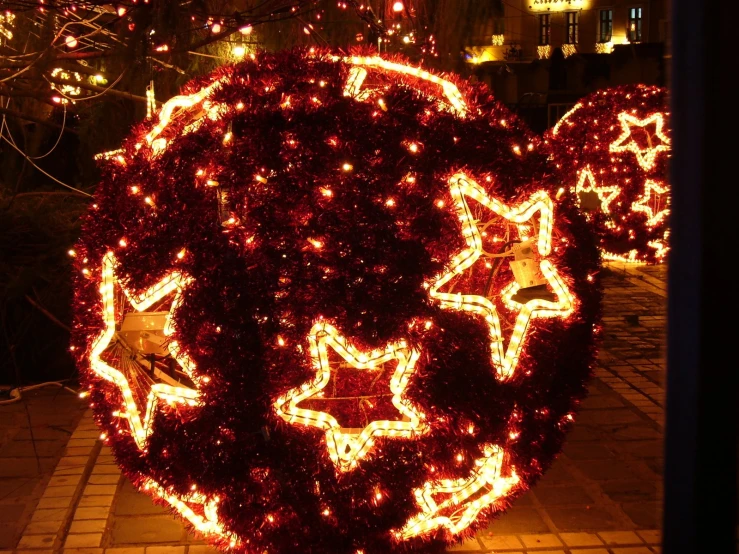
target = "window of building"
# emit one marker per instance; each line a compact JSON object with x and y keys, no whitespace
{"x":634,"y":24}
{"x":605,"y":33}
{"x":545,"y":28}
{"x":573,"y":27}
{"x":498,"y":26}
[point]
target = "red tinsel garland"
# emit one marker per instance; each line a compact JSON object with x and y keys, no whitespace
{"x":615,"y":145}
{"x":282,"y":200}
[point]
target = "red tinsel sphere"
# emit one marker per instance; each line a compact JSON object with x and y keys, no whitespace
{"x":332,"y":305}
{"x":611,"y":154}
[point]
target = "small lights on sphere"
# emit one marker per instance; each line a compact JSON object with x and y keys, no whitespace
{"x":325,"y":327}
{"x":611,"y":153}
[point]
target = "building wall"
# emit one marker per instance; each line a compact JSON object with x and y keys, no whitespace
{"x":521,"y":27}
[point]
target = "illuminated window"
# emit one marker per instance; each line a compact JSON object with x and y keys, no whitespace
{"x":545,"y":28}
{"x":634,"y":25}
{"x":606,"y":26}
{"x":573,"y":27}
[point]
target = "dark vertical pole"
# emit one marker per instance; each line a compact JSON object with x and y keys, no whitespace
{"x":702,"y":366}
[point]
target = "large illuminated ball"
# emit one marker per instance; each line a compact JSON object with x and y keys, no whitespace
{"x":611,"y":154}
{"x":332,"y":305}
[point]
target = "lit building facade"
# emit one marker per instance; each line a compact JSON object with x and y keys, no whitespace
{"x":532,"y":29}
{"x":604,"y":43}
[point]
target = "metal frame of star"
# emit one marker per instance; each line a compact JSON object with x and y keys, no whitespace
{"x":171,"y":284}
{"x":504,"y":360}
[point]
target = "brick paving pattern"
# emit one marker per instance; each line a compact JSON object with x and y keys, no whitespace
{"x":602,"y":495}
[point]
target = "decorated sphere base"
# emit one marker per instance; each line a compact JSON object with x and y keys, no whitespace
{"x":611,"y":154}
{"x":333,"y":304}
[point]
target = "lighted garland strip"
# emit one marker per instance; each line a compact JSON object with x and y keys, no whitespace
{"x":172,"y":284}
{"x":463,"y":499}
{"x":625,"y":143}
{"x":207,"y":523}
{"x":450,"y":90}
{"x":505,"y":358}
{"x":347,"y":447}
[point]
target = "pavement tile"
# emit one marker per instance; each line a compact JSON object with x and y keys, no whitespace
{"x":64,"y":480}
{"x":77,"y":443}
{"x":580,"y":539}
{"x":469,"y":545}
{"x":651,"y":536}
{"x":104,"y":479}
{"x":555,"y":496}
{"x":100,"y":512}
{"x":52,"y":514}
{"x":55,"y":492}
{"x":84,"y":540}
{"x":128,"y":550}
{"x":199,"y":549}
{"x":518,"y":520}
{"x":99,"y":490}
{"x":87,"y":526}
{"x":78,"y":450}
{"x":620,"y":537}
{"x":73,"y":461}
{"x":501,"y":542}
{"x":137,"y":504}
{"x":92,"y":501}
{"x":147,"y":529}
{"x":582,"y":518}
{"x":544,"y":540}
{"x":106,"y":469}
{"x":632,"y":550}
{"x":589,"y":551}
{"x":70,"y":470}
{"x":37,"y":541}
{"x":88,"y":550}
{"x":644,"y":514}
{"x":43,"y":527}
{"x":165,"y":550}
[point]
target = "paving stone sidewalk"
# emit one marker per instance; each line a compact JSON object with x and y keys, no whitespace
{"x":602,"y":495}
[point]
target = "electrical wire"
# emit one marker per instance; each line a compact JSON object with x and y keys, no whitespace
{"x":82,"y":192}
{"x":17,"y":392}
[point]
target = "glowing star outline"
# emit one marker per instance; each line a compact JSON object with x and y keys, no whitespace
{"x":505,"y":360}
{"x":208,"y":523}
{"x":646,"y":157}
{"x":357,"y":74}
{"x":484,"y":477}
{"x":346,"y":448}
{"x":643,"y":204}
{"x":173,"y":283}
{"x":606,"y":194}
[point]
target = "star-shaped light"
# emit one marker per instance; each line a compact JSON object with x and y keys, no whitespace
{"x":505,"y":359}
{"x":347,"y":446}
{"x":454,"y":504}
{"x":111,"y":337}
{"x":357,"y":74}
{"x":625,"y":143}
{"x":586,"y":184}
{"x":652,"y":202}
{"x":206,"y":518}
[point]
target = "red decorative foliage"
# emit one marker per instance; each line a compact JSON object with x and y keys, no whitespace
{"x":285,"y":201}
{"x":636,"y":226}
